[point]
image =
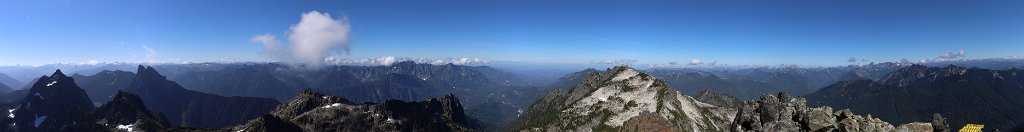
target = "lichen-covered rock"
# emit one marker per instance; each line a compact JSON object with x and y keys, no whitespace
{"x":915,"y":127}
{"x":819,"y":118}
{"x":939,"y":124}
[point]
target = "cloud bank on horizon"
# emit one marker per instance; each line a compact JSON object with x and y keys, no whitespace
{"x":309,"y":42}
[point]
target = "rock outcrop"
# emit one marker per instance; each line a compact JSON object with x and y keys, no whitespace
{"x":783,"y":112}
{"x":648,"y":122}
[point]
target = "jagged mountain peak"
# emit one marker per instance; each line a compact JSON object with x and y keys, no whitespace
{"x":126,"y":99}
{"x":148,"y":71}
{"x":56,"y":80}
{"x":58,"y":73}
{"x":906,"y":75}
{"x":52,"y":102}
{"x":127,"y":109}
{"x":405,"y":64}
{"x":190,"y":108}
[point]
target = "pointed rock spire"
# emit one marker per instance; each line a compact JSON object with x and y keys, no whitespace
{"x":58,"y":73}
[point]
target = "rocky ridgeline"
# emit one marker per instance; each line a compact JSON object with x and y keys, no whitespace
{"x":312,"y":111}
{"x":622,"y":99}
{"x":787,"y":113}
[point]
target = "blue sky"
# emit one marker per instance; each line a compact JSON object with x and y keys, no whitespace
{"x":808,"y":32}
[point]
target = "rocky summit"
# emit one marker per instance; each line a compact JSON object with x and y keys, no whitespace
{"x":622,"y":98}
{"x":52,"y":103}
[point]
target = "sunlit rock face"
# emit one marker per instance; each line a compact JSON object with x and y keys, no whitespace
{"x":620,"y":95}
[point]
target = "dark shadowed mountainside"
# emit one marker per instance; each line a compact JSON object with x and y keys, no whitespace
{"x":963,"y":95}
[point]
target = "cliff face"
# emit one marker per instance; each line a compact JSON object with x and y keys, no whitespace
{"x":312,"y":111}
{"x":194,"y":109}
{"x":790,"y":113}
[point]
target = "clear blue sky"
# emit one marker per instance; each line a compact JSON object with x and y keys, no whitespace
{"x":810,"y":32}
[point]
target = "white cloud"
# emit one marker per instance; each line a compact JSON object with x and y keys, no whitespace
{"x":309,"y":41}
{"x":951,"y":55}
{"x":461,"y":61}
{"x":388,"y":60}
{"x":270,"y":44}
{"x":613,"y":62}
{"x":91,"y":62}
{"x":696,"y":62}
{"x":317,"y":34}
{"x":852,"y":59}
{"x":464,"y":61}
{"x":151,"y":55}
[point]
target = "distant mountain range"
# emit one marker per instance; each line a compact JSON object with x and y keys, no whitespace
{"x":496,"y":99}
{"x":8,"y":84}
{"x":491,"y":94}
{"x":180,"y":106}
{"x":964,"y":95}
{"x":57,"y":103}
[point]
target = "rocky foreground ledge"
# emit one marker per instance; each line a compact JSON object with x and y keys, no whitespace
{"x":785,"y":113}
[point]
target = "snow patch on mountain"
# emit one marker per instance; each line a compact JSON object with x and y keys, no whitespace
{"x":126,"y":127}
{"x":39,"y":120}
{"x":332,"y":105}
